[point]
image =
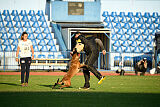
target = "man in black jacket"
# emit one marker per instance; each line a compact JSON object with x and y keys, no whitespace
{"x":92,"y":53}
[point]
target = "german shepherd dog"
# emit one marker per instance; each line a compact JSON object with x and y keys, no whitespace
{"x":73,"y":69}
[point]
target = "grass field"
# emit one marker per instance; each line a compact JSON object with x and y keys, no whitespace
{"x":115,"y":91}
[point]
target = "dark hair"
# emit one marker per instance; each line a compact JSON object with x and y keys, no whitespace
{"x":23,"y":35}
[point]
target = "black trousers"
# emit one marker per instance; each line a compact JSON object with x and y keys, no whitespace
{"x":91,"y":59}
{"x":25,"y":68}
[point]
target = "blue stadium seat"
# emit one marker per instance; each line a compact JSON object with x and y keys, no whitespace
{"x":9,"y":24}
{"x":31,"y":13}
{"x":35,"y":47}
{"x":143,"y":44}
{"x":149,"y":38}
{"x":137,"y":49}
{"x":41,"y":19}
{"x":25,"y":19}
{"x":39,"y":36}
{"x":31,"y":36}
{"x":18,"y":25}
{"x":7,"y":18}
{"x":116,"y":43}
{"x":23,"y":13}
{"x":29,"y":30}
{"x":153,"y":32}
{"x":123,"y":38}
{"x":105,"y":14}
{"x":42,"y":43}
{"x":46,"y":31}
{"x":148,"y":21}
{"x":143,"y":26}
{"x":14,"y":13}
{"x":4,"y":36}
{"x":140,"y":38}
{"x":107,"y":20}
{"x":125,"y":44}
{"x":34,"y":43}
{"x":114,"y":37}
{"x":35,"y":25}
{"x":51,"y":57}
{"x":3,"y":30}
{"x":151,"y":26}
{"x":128,"y":49}
{"x":140,"y":20}
{"x":1,"y":19}
{"x":138,"y":15}
{"x":146,"y":50}
{"x":37,"y":30}
{"x":155,"y":15}
{"x":133,"y":44}
{"x":129,"y":32}
{"x":27,"y":25}
{"x":44,"y":25}
{"x":158,"y":27}
{"x":44,"y":49}
{"x":145,"y":32}
{"x":137,"y":32}
{"x":113,"y":14}
{"x":130,"y":14}
{"x":115,"y":20}
{"x":15,"y":42}
{"x":131,"y":38}
{"x":120,"y":31}
{"x":147,"y":15}
{"x":15,"y":48}
{"x":123,"y":20}
{"x":118,"y":26}
{"x":48,"y":36}
{"x":40,"y":13}
{"x":13,"y":36}
{"x":33,"y":19}
{"x":41,"y":56}
{"x":6,"y":42}
{"x":122,"y":14}
{"x":6,"y":12}
{"x":52,"y":49}
{"x":20,"y":30}
{"x":126,"y":26}
{"x":109,"y":26}
{"x":1,"y":25}
{"x":50,"y":43}
{"x":11,"y":30}
{"x":150,"y":44}
{"x":16,"y":19}
{"x":1,"y":49}
{"x":132,"y":20}
{"x":8,"y":48}
{"x":134,"y":26}
{"x":157,"y":21}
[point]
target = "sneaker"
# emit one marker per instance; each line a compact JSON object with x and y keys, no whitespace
{"x":84,"y":88}
{"x":22,"y":84}
{"x":100,"y":81}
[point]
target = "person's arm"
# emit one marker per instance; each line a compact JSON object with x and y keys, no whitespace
{"x":32,"y":52}
{"x":18,"y":48}
{"x":99,"y":42}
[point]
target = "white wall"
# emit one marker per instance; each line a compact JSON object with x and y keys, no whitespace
{"x":22,"y":4}
{"x":130,"y":5}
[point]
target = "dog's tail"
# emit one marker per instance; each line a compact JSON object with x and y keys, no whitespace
{"x":55,"y":84}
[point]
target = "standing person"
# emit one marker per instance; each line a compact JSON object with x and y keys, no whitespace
{"x":25,"y":46}
{"x":92,"y":53}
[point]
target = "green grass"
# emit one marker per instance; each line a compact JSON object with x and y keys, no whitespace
{"x":115,"y":91}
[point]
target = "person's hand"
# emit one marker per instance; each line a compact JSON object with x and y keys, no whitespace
{"x":104,"y":52}
{"x":77,"y":35}
{"x":17,"y":59}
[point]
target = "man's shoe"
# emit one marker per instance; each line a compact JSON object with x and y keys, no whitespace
{"x":84,"y":88}
{"x":100,"y":81}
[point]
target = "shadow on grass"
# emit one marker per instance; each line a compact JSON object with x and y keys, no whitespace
{"x":50,"y":86}
{"x":79,"y":99}
{"x":11,"y":84}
